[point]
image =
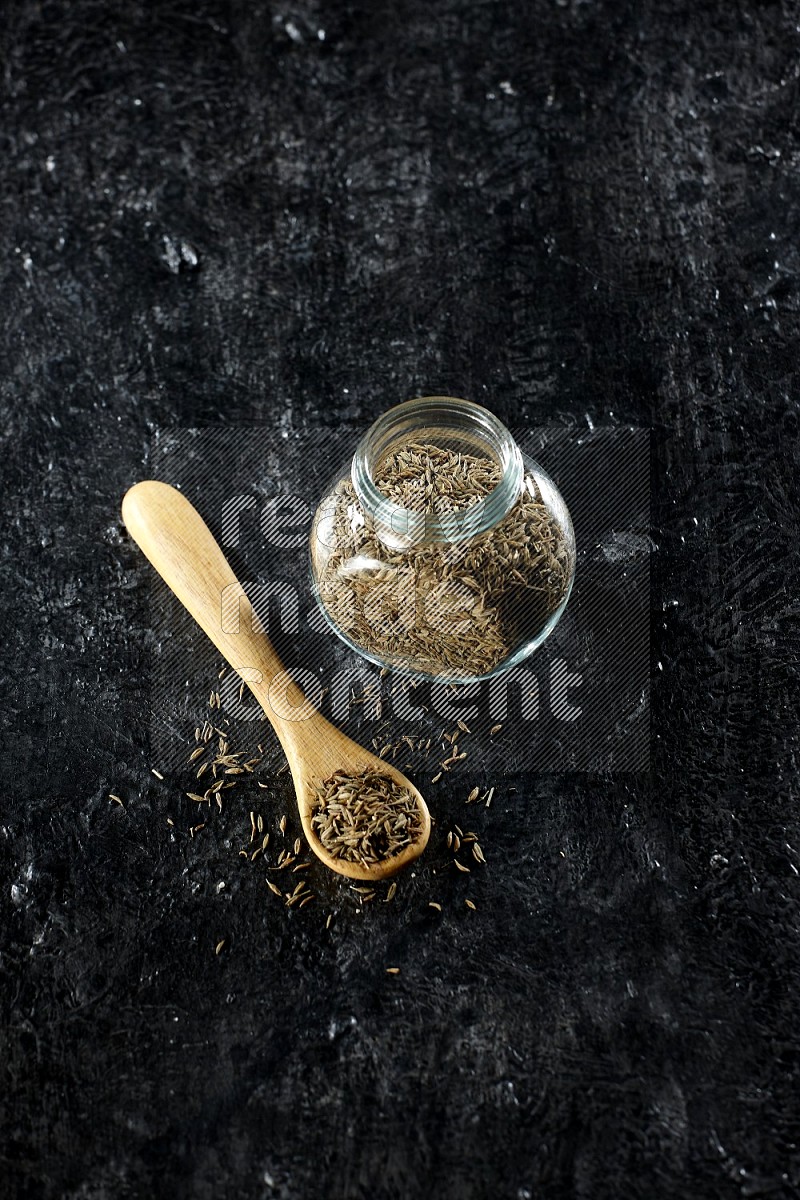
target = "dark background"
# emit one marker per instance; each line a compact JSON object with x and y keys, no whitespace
{"x":212,"y":214}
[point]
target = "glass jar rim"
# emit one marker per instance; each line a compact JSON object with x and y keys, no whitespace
{"x":444,"y":413}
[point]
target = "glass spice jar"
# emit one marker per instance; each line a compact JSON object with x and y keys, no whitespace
{"x":442,"y":549}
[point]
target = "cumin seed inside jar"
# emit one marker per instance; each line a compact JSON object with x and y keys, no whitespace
{"x":442,"y":549}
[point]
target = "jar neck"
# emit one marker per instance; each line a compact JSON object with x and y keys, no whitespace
{"x":447,"y":422}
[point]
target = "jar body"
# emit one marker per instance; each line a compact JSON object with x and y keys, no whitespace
{"x":441,"y":549}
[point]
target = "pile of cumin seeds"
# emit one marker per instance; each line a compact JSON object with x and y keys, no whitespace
{"x":429,"y":479}
{"x":443,"y":608}
{"x":364,"y":818}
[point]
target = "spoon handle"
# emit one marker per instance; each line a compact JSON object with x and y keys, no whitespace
{"x":181,"y":547}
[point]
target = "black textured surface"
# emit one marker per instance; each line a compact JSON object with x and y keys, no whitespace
{"x":211,"y":213}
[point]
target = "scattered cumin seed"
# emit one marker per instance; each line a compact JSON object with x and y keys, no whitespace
{"x":461,"y":867}
{"x":116,"y":799}
{"x":219,"y":946}
{"x":473,"y":795}
{"x":495,"y":729}
{"x":437,"y":777}
{"x":273,"y":887}
{"x":282,"y":824}
{"x":328,"y":922}
{"x":157,"y":774}
{"x":433,"y":904}
{"x":469,"y":904}
{"x":392,"y":970}
{"x":390,"y":895}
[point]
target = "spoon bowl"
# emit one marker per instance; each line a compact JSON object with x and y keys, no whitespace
{"x":181,"y":547}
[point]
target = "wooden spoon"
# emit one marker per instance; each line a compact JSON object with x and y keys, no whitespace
{"x":182,"y":549}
